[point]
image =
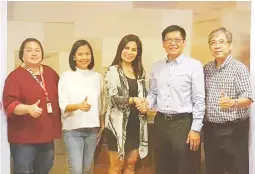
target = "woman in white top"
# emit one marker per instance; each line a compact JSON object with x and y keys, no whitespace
{"x":80,"y":102}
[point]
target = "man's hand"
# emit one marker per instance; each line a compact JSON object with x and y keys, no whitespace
{"x":84,"y":106}
{"x":225,"y":102}
{"x":193,"y":140}
{"x":34,"y":110}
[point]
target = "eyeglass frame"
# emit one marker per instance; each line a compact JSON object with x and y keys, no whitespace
{"x":219,"y":42}
{"x":176,"y":41}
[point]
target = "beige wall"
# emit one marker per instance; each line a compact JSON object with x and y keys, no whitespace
{"x":237,"y":20}
{"x":103,"y":24}
{"x":103,"y":30}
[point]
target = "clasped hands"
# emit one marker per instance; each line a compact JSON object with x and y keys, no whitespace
{"x":141,"y":104}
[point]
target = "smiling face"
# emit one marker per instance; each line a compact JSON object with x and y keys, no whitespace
{"x":83,"y":57}
{"x":174,"y":44}
{"x":220,"y":47}
{"x":129,"y":53}
{"x":32,"y":54}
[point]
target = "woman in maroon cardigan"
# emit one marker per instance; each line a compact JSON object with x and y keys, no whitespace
{"x":30,"y":98}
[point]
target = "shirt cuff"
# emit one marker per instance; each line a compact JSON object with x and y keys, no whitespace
{"x":196,"y":126}
{"x":246,"y":95}
{"x":151,"y":103}
{"x":63,"y":113}
{"x":11,"y":108}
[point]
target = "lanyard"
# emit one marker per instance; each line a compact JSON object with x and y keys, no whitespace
{"x":42,"y":84}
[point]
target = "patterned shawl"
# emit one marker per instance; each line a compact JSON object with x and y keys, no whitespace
{"x":117,"y":92}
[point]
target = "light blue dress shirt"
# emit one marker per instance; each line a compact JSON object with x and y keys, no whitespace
{"x":177,"y":86}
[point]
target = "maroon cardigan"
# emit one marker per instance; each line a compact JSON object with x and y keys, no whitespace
{"x":21,"y":87}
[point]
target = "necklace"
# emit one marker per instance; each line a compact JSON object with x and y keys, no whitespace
{"x":129,"y":72}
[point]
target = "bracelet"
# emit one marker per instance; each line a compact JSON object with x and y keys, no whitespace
{"x":131,"y":100}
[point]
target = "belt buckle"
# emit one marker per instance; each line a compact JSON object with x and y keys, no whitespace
{"x":168,"y":117}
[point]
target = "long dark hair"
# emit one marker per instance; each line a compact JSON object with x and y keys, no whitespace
{"x":137,"y":63}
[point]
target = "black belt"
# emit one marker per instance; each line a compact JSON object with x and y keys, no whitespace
{"x":226,"y":123}
{"x":174,"y":116}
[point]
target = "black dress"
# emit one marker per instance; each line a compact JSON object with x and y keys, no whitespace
{"x":133,"y":125}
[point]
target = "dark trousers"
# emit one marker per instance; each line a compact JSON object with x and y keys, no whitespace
{"x":32,"y":158}
{"x":172,"y":153}
{"x":226,"y":147}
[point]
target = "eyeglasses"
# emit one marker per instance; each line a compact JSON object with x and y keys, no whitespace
{"x":220,"y":42}
{"x":176,"y":40}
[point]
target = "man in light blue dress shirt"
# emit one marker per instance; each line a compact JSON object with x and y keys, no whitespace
{"x":177,"y":92}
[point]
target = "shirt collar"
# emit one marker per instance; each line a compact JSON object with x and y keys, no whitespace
{"x":226,"y":62}
{"x":177,"y":60}
{"x":81,"y":70}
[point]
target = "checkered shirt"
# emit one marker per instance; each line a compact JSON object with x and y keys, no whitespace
{"x":234,"y":80}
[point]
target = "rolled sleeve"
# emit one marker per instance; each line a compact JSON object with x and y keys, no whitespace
{"x":243,"y":83}
{"x":63,"y":94}
{"x":11,"y":95}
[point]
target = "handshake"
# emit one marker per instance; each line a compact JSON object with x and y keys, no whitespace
{"x":141,"y":104}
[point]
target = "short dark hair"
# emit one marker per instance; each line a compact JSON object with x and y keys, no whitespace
{"x":137,"y":63}
{"x":23,"y":44}
{"x":75,"y":47}
{"x":173,"y":28}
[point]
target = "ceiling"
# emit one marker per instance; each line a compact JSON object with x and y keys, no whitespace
{"x":202,"y":10}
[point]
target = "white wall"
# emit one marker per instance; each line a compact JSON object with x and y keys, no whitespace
{"x":252,"y":71}
{"x":4,"y":145}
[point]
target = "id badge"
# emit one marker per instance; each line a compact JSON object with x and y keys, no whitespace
{"x":49,"y":108}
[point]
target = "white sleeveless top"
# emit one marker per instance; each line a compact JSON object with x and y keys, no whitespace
{"x":73,"y":88}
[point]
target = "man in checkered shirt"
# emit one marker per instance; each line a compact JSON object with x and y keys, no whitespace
{"x":228,"y":98}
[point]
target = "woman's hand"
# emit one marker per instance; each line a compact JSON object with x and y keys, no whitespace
{"x":141,"y":104}
{"x":34,"y":110}
{"x":84,"y":106}
{"x":99,"y":134}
